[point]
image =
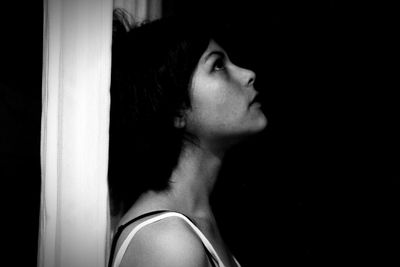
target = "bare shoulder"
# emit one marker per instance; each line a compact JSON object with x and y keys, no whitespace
{"x":168,"y":242}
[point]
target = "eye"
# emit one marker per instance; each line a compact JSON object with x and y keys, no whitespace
{"x":219,"y":64}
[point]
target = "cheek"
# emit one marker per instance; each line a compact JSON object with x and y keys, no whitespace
{"x":229,"y":109}
{"x":217,"y":103}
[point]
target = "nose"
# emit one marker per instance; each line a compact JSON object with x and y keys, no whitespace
{"x":249,"y":77}
{"x":252,"y":78}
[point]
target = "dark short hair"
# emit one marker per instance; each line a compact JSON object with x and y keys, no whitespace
{"x":152,"y":67}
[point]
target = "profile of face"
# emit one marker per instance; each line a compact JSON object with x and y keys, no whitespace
{"x":221,"y":94}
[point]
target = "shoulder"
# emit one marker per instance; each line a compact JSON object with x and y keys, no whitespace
{"x":168,"y":242}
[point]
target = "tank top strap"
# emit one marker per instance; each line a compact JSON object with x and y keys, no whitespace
{"x":122,"y":227}
{"x":165,"y":214}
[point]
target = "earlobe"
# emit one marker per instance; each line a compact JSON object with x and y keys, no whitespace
{"x":180,"y":122}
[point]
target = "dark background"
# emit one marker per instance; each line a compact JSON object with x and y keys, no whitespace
{"x":20,"y":111}
{"x":319,"y":186}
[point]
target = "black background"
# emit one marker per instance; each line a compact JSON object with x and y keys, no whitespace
{"x":318,"y":187}
{"x":20,"y":110}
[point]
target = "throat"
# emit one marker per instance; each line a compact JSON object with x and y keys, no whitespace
{"x":192,"y":181}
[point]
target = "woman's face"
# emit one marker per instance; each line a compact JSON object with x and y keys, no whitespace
{"x":221,"y":99}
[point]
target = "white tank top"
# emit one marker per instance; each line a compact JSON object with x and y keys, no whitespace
{"x":122,"y":249}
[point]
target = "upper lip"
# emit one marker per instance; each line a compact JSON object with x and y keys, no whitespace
{"x":255,"y":99}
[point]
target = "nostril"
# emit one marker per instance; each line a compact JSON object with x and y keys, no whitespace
{"x":251,"y":81}
{"x":252,"y":78}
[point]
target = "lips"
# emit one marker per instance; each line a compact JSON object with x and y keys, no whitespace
{"x":256,"y":100}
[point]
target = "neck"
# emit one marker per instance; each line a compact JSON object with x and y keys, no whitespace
{"x":193,"y":179}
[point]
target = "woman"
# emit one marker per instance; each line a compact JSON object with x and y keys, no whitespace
{"x":178,"y":104}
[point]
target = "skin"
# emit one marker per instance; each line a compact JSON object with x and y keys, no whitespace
{"x":220,"y":116}
{"x":221,"y":93}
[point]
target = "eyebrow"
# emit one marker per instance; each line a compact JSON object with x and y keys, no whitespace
{"x":212,"y":53}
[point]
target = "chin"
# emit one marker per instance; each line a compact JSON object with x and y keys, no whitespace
{"x":256,"y":126}
{"x":259,"y":124}
{"x":246,"y":130}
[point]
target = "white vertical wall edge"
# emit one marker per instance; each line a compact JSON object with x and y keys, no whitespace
{"x":74,"y":217}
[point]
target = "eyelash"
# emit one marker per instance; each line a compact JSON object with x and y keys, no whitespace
{"x":219,"y":64}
